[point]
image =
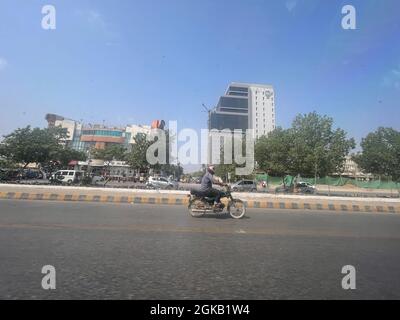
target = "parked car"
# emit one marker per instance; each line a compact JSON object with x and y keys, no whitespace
{"x":10,"y":175}
{"x":305,"y":187}
{"x":32,"y":174}
{"x":98,"y":179}
{"x":161,"y":183}
{"x":299,"y":187}
{"x":244,"y":185}
{"x":66,"y":176}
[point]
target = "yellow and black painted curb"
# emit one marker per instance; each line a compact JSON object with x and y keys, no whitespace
{"x":325,"y":205}
{"x":93,"y":198}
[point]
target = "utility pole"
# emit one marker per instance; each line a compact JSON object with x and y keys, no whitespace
{"x":89,"y":161}
{"x":208,"y":110}
{"x":315,"y":177}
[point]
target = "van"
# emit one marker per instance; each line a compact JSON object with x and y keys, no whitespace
{"x":67,"y":176}
{"x":244,"y":185}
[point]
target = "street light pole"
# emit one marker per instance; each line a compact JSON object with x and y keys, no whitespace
{"x":89,"y":161}
{"x":315,"y":176}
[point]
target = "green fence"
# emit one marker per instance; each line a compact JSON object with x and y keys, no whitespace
{"x":333,"y":181}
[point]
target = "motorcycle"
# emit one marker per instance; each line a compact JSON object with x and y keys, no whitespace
{"x":199,"y":205}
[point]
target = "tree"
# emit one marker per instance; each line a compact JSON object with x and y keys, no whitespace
{"x":272,"y":152}
{"x":381,"y":153}
{"x":27,"y":145}
{"x":310,"y":147}
{"x":136,"y":158}
{"x":61,"y":158}
{"x":228,"y":170}
{"x":66,"y":155}
{"x":319,"y":149}
{"x":4,"y":163}
{"x":225,"y":170}
{"x":172,"y":170}
{"x":167,"y":168}
{"x":198,"y":173}
{"x":110,"y":153}
{"x":45,"y":147}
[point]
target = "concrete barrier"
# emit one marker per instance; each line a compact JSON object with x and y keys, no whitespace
{"x":164,"y":197}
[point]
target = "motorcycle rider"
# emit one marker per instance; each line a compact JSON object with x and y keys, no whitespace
{"x":206,"y":186}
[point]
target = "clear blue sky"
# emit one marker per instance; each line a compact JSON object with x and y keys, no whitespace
{"x":135,"y":61}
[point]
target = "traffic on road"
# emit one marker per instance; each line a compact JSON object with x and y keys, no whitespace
{"x":125,"y":251}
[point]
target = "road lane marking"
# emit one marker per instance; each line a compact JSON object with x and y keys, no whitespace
{"x":204,"y":230}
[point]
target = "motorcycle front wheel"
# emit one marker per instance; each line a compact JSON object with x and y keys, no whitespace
{"x":237,"y":209}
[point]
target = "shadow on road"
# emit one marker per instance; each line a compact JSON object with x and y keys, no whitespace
{"x":219,"y":216}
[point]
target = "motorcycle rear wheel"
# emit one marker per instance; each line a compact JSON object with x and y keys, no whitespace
{"x":196,"y":208}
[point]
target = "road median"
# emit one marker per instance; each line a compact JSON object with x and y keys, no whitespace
{"x":176,"y":197}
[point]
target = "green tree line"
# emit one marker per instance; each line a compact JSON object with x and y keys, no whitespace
{"x":47,"y":148}
{"x":313,"y":147}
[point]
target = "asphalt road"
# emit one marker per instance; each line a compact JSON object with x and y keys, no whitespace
{"x":106,"y":251}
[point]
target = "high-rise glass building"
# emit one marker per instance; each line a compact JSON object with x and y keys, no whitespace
{"x":245,"y":106}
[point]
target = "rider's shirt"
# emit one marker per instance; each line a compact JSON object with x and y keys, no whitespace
{"x":206,"y":182}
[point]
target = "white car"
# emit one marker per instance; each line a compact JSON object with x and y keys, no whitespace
{"x":244,"y":185}
{"x":98,"y":179}
{"x":67,"y":176}
{"x":161,"y":183}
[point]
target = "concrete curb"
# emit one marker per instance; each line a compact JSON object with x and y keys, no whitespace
{"x":93,"y":198}
{"x":180,"y":193}
{"x":299,"y":204}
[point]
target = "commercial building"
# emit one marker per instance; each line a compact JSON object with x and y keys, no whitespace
{"x":71,"y":126}
{"x":87,"y":136}
{"x":352,"y":170}
{"x":243,"y":106}
{"x":113,"y":169}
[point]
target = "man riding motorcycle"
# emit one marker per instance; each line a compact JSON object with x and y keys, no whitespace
{"x":206,"y":186}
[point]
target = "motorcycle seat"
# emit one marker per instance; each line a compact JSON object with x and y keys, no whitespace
{"x":196,"y":192}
